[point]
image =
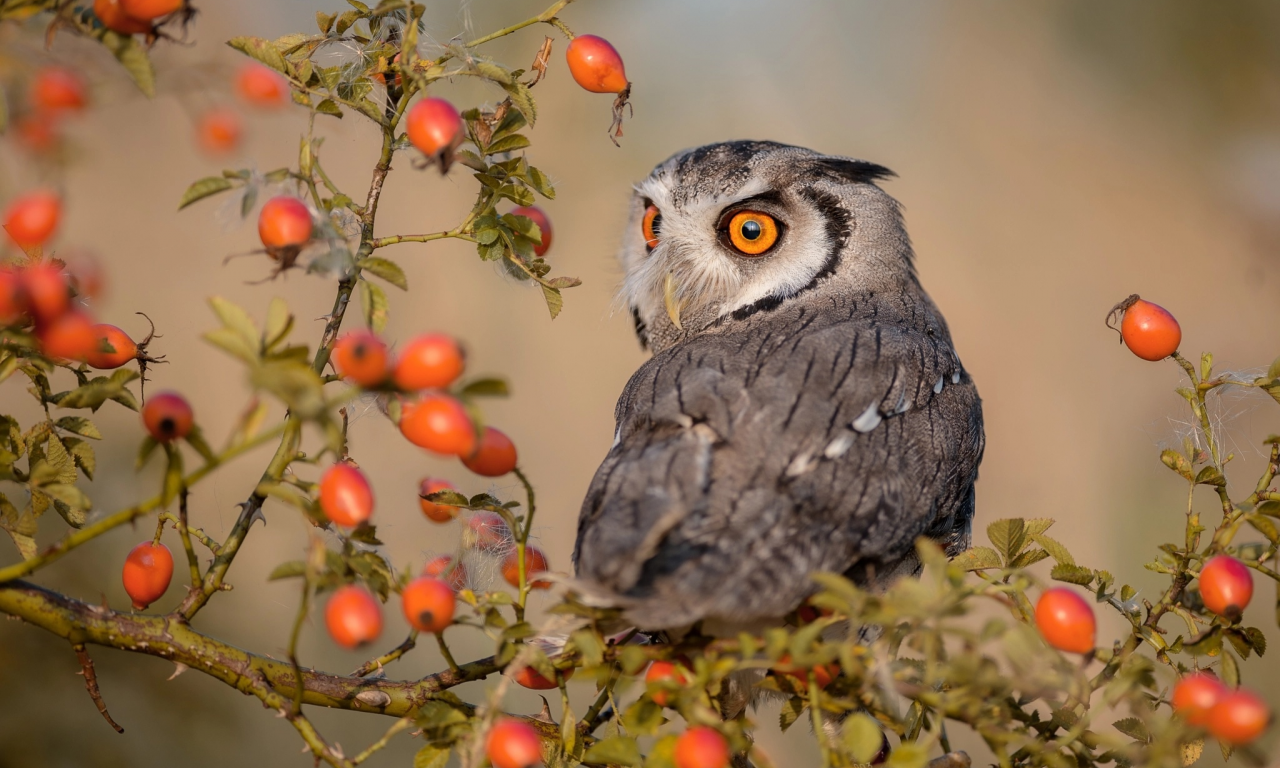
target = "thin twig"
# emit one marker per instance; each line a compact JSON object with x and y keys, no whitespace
{"x":91,"y":684}
{"x":375,"y":664}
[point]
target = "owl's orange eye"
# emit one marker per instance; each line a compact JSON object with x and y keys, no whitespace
{"x":652,"y":226}
{"x":751,"y":233}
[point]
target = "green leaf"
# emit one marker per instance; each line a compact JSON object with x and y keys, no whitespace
{"x":133,"y":57}
{"x":329,"y":107}
{"x":279,"y":323}
{"x":374,"y":303}
{"x":238,"y":320}
{"x":861,"y":737}
{"x":977,"y":559}
{"x":485,"y":388}
{"x":1211,"y":475}
{"x":1072,"y":574}
{"x":613,"y":750}
{"x":385,"y":269}
{"x":289,"y":570}
{"x":522,"y":99}
{"x":1054,"y":548}
{"x":1177,"y":462}
{"x":1133,"y":728}
{"x":233,"y":343}
{"x":431,"y":756}
{"x":508,"y":144}
{"x":909,"y":755}
{"x":21,"y":527}
{"x":145,"y":450}
{"x":68,"y":494}
{"x":295,"y":383}
{"x":262,"y":50}
{"x":79,"y":425}
{"x":555,"y":302}
{"x":83,"y":454}
{"x":210,"y":185}
{"x":1230,"y":670}
{"x":325,"y":21}
{"x":1008,"y":536}
{"x":539,"y":181}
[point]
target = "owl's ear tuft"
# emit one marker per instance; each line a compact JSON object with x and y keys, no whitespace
{"x":856,"y":171}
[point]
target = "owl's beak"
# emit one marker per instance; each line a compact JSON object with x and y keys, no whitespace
{"x":672,"y":301}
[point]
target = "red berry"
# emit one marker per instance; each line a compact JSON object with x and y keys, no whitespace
{"x":56,"y":90}
{"x":440,"y":424}
{"x":219,"y":131}
{"x":428,"y":604}
{"x":434,"y":126}
{"x":115,"y":19}
{"x":284,"y":222}
{"x":1066,"y":621}
{"x":112,"y":347}
{"x":46,"y":291}
{"x":596,"y":65}
{"x":345,"y":495}
{"x":1239,"y":717}
{"x":1226,"y":586}
{"x":167,"y":417}
{"x":539,"y":217}
{"x":701,"y":747}
{"x":1149,"y":331}
{"x":147,"y":10}
{"x":513,"y":744}
{"x":147,"y":571}
{"x":361,"y":358}
{"x":443,"y":568}
{"x":1195,"y":694}
{"x":430,"y":361}
{"x":38,"y":132}
{"x":535,"y":562}
{"x":12,"y":301}
{"x":260,"y":86}
{"x":438,"y":513}
{"x":70,"y":337}
{"x":353,"y":617}
{"x":823,"y":674}
{"x":676,"y":672}
{"x":487,"y":532}
{"x":32,"y":218}
{"x":494,"y":456}
{"x":532,"y":679}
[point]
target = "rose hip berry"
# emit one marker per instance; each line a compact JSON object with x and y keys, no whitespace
{"x":596,"y":65}
{"x":148,"y":10}
{"x":167,"y":417}
{"x":260,"y":86}
{"x":701,"y":747}
{"x":823,"y":674}
{"x":434,"y":126}
{"x":443,"y":568}
{"x":1066,"y":621}
{"x":353,"y":617}
{"x":69,"y":337}
{"x":1196,"y":694}
{"x":147,"y":571}
{"x":1147,"y":329}
{"x":494,"y":456}
{"x":284,"y":223}
{"x":361,"y":358}
{"x":535,"y":562}
{"x":1239,"y":717}
{"x":438,"y":513}
{"x":676,"y":672}
{"x":429,"y":361}
{"x":539,"y":217}
{"x":32,"y":218}
{"x":345,"y":495}
{"x":45,"y":291}
{"x":12,"y":302}
{"x":487,"y":532}
{"x":112,"y":348}
{"x":1226,"y":586}
{"x":115,"y":19}
{"x":440,"y":424}
{"x":513,"y":744}
{"x":428,"y":604}
{"x":57,"y":90}
{"x":218,"y":131}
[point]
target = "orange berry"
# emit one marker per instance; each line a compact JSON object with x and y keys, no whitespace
{"x":1226,"y":586}
{"x":70,"y":337}
{"x":260,"y":85}
{"x":115,"y":19}
{"x":284,"y":222}
{"x":487,"y":532}
{"x":345,"y":496}
{"x":513,"y":744}
{"x":55,"y":90}
{"x":361,"y":358}
{"x":1239,"y":717}
{"x":530,"y":678}
{"x":535,"y":562}
{"x":429,"y":361}
{"x":1194,"y":695}
{"x":1149,"y":331}
{"x":147,"y":571}
{"x":823,"y":674}
{"x":32,"y":218}
{"x":12,"y":301}
{"x":353,"y":617}
{"x":438,"y":513}
{"x":148,"y":10}
{"x":676,"y":672}
{"x":218,"y":131}
{"x":443,"y":568}
{"x":440,"y":424}
{"x":434,"y":126}
{"x":428,"y":604}
{"x":494,"y":456}
{"x":701,"y":747}
{"x":167,"y":416}
{"x":539,"y":217}
{"x":596,"y":65}
{"x":1066,"y":621}
{"x":112,"y":349}
{"x":38,"y":132}
{"x":45,"y":291}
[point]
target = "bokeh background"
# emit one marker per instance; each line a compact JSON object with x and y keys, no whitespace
{"x":1053,"y":158}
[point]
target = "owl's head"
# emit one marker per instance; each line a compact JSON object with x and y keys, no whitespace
{"x":728,"y":230}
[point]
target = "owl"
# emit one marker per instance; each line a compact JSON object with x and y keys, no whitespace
{"x":804,"y":409}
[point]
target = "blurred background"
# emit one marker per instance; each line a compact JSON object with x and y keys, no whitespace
{"x":1052,"y":158}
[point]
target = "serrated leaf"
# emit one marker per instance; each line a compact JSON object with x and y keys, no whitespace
{"x":79,"y":425}
{"x":508,"y":144}
{"x":210,"y":185}
{"x":324,"y":21}
{"x":1211,"y":475}
{"x":262,"y":50}
{"x":68,"y":494}
{"x":82,"y":453}
{"x":431,"y":756}
{"x":329,"y":107}
{"x":522,"y":100}
{"x":977,"y":559}
{"x":555,"y":302}
{"x":374,"y":303}
{"x":1191,"y":752}
{"x":1007,"y":536}
{"x":539,"y":181}
{"x":1055,"y":549}
{"x":385,"y":269}
{"x":1072,"y":574}
{"x":1028,"y":557}
{"x":1133,"y":728}
{"x":790,"y":713}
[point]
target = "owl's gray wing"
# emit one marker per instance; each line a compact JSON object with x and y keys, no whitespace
{"x":743,"y":462}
